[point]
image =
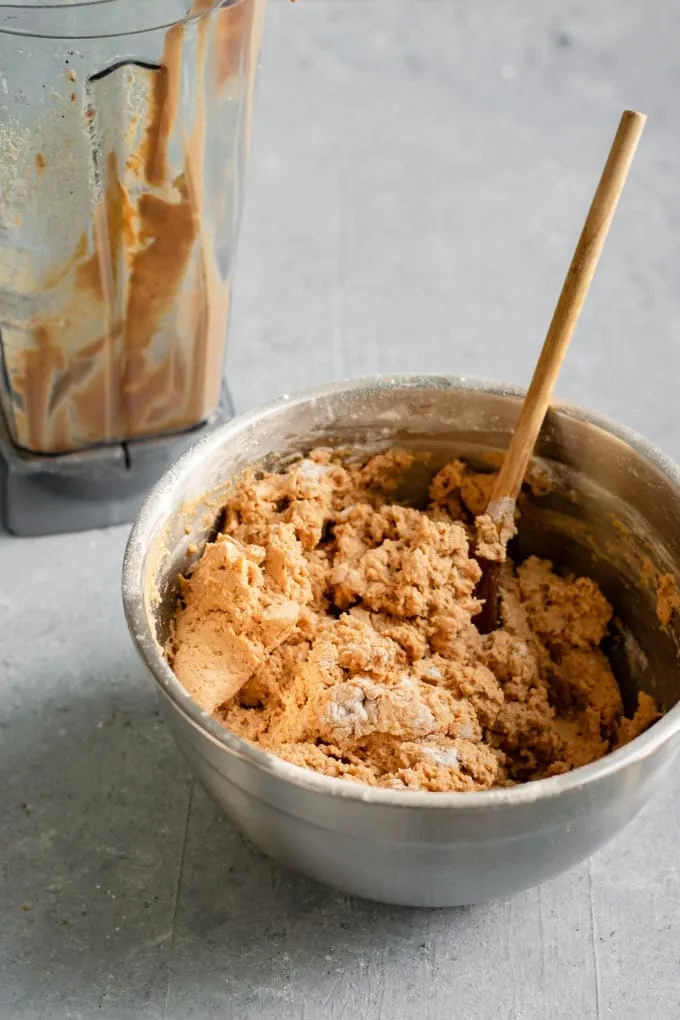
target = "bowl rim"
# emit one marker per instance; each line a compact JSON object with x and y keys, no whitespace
{"x":146,"y":643}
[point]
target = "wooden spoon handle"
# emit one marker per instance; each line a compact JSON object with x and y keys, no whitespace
{"x":565,"y":316}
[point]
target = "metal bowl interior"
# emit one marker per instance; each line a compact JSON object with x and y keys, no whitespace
{"x":610,"y":511}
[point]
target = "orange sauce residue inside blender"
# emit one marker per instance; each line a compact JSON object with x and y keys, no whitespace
{"x":146,"y":273}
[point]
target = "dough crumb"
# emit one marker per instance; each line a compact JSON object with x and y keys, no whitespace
{"x":334,"y":627}
{"x":667,"y":599}
{"x":492,"y":539}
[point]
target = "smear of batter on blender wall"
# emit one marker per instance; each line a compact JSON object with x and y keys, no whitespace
{"x":116,"y":259}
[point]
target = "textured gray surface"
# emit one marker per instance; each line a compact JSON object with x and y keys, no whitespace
{"x":420,"y":172}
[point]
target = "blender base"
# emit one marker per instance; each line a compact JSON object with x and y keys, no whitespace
{"x":56,"y":493}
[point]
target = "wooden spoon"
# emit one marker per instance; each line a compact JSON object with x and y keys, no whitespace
{"x":501,"y":507}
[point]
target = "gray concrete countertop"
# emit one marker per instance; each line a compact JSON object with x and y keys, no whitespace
{"x":420,"y":174}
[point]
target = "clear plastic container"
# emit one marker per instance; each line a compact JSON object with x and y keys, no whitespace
{"x":124,"y":137}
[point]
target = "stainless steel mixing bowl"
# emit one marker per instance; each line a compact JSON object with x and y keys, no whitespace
{"x":612,"y":511}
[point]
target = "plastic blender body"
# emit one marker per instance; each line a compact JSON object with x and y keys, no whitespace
{"x":124,"y":138}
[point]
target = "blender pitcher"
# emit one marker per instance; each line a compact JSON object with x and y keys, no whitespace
{"x":124,"y":136}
